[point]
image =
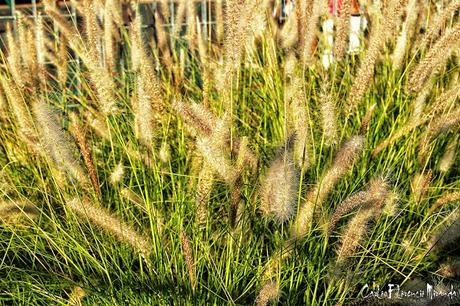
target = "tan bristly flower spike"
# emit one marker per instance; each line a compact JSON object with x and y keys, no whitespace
{"x":377,"y":190}
{"x":343,"y":29}
{"x":203,"y":192}
{"x":366,"y":69}
{"x":298,"y":118}
{"x":450,"y":270}
{"x":279,"y":189}
{"x":214,"y":150}
{"x":163,"y":41}
{"x":112,"y":225}
{"x":448,"y":158}
{"x":318,"y":7}
{"x":445,"y":199}
{"x":180,"y":15}
{"x":343,"y":161}
{"x":85,"y":150}
{"x":328,"y":114}
{"x":436,"y":58}
{"x":188,"y":255}
{"x":356,"y":229}
{"x":354,"y":234}
{"x":117,"y":174}
{"x":445,"y":122}
{"x":219,"y":20}
{"x":109,"y":47}
{"x":196,"y":115}
{"x":405,"y":35}
{"x":420,"y":184}
{"x":440,"y":104}
{"x":20,"y":109}
{"x":270,"y":292}
{"x":11,"y":211}
{"x":57,"y":143}
{"x":438,"y":22}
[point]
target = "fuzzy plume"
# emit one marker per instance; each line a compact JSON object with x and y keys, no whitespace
{"x":93,"y":31}
{"x":343,"y":28}
{"x":192,"y":24}
{"x":445,"y":122}
{"x":188,"y":256}
{"x":298,"y":119}
{"x":419,"y":103}
{"x":405,"y":35}
{"x":448,"y":158}
{"x":215,"y":151}
{"x":203,"y":192}
{"x":328,"y":114}
{"x":270,"y":292}
{"x":366,"y":69}
{"x":219,"y":20}
{"x":85,"y":150}
{"x":15,"y":63}
{"x":375,"y":194}
{"x":180,"y":15}
{"x":112,"y":225}
{"x":197,"y":115}
{"x":317,"y":7}
{"x":163,"y":41}
{"x":65,"y":27}
{"x":353,"y":234}
{"x":420,"y":184}
{"x":441,"y":103}
{"x":445,"y":199}
{"x":343,"y":161}
{"x":103,"y":83}
{"x":89,"y":54}
{"x":436,"y":58}
{"x":289,"y":33}
{"x":13,"y":211}
{"x":450,"y":269}
{"x":27,"y":47}
{"x":57,"y":143}
{"x":365,"y":123}
{"x":279,"y":189}
{"x":61,"y":63}
{"x":109,"y":42}
{"x":117,"y":174}
{"x":40,"y":45}
{"x":149,"y":106}
{"x":20,"y":109}
{"x":439,"y":22}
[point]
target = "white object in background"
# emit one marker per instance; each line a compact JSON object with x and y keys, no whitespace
{"x":289,"y":8}
{"x":355,"y":33}
{"x":327,"y":59}
{"x":328,"y":31}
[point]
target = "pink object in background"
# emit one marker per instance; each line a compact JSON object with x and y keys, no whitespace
{"x":332,"y":4}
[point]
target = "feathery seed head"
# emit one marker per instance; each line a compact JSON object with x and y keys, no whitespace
{"x":112,"y":225}
{"x":278,"y":190}
{"x":448,"y":158}
{"x":117,"y":174}
{"x":14,"y":212}
{"x":354,"y":234}
{"x":270,"y":292}
{"x":58,"y":143}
